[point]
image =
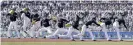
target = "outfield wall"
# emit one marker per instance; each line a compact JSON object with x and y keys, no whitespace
{"x":98,"y":35}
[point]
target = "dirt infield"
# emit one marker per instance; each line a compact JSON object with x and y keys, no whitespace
{"x":52,"y":40}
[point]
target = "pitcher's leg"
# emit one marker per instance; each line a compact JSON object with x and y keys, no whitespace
{"x":77,"y":35}
{"x":82,"y":32}
{"x":65,"y":35}
{"x":23,"y":33}
{"x":18,"y":33}
{"x":9,"y":30}
{"x":91,"y":34}
{"x":32,"y":31}
{"x":39,"y":31}
{"x":118,"y":34}
{"x":69,"y":34}
{"x":49,"y":30}
{"x":25,"y":29}
{"x":16,"y":29}
{"x":106,"y":34}
{"x":9,"y":33}
{"x":54,"y":34}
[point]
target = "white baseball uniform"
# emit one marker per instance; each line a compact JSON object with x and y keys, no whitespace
{"x":12,"y":25}
{"x":48,"y":29}
{"x":57,"y":32}
{"x":26,"y":24}
{"x":69,"y":33}
{"x":34,"y":28}
{"x":116,"y":27}
{"x":60,"y":29}
{"x":84,"y":28}
{"x":105,"y":30}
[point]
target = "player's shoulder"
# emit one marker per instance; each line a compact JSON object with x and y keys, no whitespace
{"x":8,"y":14}
{"x":15,"y":13}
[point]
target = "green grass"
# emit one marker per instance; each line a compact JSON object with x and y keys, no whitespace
{"x":67,"y":43}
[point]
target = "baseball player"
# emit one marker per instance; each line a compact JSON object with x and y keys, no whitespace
{"x":106,"y":22}
{"x":116,"y":27}
{"x":104,"y":28}
{"x":89,"y":29}
{"x":36,"y":23}
{"x":26,"y":16}
{"x":61,"y":22}
{"x":108,"y":18}
{"x":73,"y":28}
{"x":121,"y":21}
{"x":13,"y":23}
{"x":45,"y":26}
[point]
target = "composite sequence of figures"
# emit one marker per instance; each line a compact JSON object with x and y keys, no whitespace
{"x":67,"y":20}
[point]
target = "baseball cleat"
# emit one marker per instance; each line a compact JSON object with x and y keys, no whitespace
{"x":35,"y":37}
{"x":121,"y":40}
{"x":109,"y":40}
{"x":9,"y":37}
{"x":72,"y":40}
{"x":58,"y":37}
{"x":44,"y":37}
{"x":18,"y":38}
{"x":94,"y":40}
{"x":31,"y":37}
{"x":81,"y":40}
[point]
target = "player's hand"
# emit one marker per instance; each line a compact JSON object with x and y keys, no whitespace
{"x":33,"y":22}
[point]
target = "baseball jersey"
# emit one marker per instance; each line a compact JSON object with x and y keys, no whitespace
{"x":107,"y":21}
{"x":35,"y":17}
{"x":13,"y":16}
{"x":90,"y":23}
{"x":27,"y":14}
{"x":45,"y":22}
{"x":75,"y":24}
{"x":61,"y":23}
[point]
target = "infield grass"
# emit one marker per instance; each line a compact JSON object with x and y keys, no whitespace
{"x":67,"y":43}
